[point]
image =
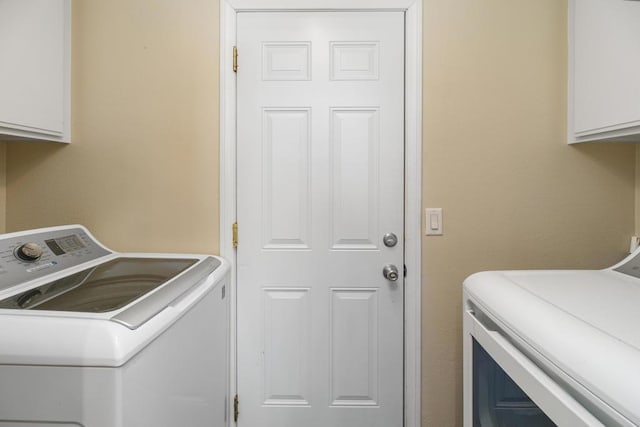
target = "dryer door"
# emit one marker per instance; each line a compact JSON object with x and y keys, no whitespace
{"x":497,"y":399}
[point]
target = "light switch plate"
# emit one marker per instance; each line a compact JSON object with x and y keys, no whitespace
{"x":433,"y":221}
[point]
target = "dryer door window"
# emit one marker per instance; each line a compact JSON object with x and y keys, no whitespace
{"x":497,"y":400}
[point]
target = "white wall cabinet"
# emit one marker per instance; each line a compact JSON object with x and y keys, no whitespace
{"x":604,"y":70}
{"x":35,"y":53}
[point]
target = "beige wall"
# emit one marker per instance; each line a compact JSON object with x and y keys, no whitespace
{"x":142,"y":169}
{"x":514,"y":195}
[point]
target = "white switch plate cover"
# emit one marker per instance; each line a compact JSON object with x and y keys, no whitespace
{"x":433,"y":221}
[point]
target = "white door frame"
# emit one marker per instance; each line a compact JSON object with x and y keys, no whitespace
{"x":413,"y":166}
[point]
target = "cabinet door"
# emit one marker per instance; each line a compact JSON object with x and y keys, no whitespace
{"x":606,"y":55}
{"x":32,"y":75}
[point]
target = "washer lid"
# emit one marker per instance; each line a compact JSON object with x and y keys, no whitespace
{"x":65,"y":338}
{"x":105,"y":287}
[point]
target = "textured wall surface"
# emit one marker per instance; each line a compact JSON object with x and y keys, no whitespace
{"x":142,"y":168}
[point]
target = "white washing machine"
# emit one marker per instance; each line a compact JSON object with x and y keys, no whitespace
{"x":94,"y":338}
{"x":546,"y":348}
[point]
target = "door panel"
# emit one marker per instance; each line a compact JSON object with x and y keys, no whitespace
{"x":354,"y":347}
{"x":354,"y":171}
{"x":287,"y":322}
{"x":320,"y":181}
{"x":286,"y":177}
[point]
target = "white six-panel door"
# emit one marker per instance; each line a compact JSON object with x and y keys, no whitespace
{"x":320,"y":182}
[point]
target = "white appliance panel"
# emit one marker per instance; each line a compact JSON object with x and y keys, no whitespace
{"x":160,"y":359}
{"x":578,"y":327}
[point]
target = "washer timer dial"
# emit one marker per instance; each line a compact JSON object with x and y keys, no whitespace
{"x":29,"y":252}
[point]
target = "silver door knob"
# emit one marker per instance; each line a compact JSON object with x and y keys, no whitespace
{"x":390,"y":240}
{"x":390,"y":272}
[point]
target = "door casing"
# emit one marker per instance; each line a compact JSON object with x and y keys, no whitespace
{"x":413,"y":167}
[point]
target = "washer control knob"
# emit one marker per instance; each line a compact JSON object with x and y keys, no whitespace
{"x":29,"y":252}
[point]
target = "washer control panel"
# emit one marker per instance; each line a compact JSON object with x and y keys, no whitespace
{"x":36,"y":253}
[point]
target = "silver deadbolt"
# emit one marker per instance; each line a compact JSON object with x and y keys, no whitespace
{"x":390,"y":272}
{"x":390,"y":240}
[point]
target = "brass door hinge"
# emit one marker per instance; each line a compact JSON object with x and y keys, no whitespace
{"x":234,"y":227}
{"x":235,"y":409}
{"x":235,"y":59}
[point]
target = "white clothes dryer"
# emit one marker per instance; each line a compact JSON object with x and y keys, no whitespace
{"x":94,"y":338}
{"x":546,"y":348}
